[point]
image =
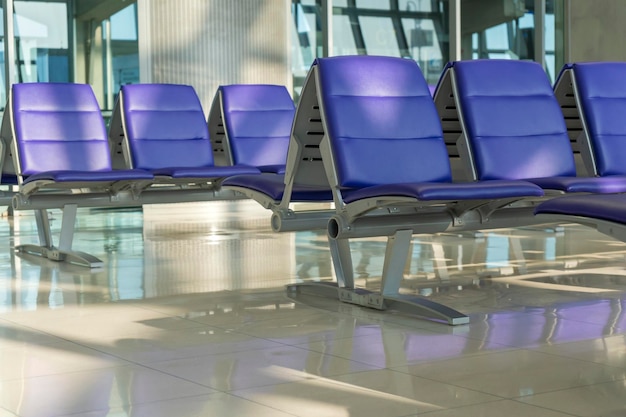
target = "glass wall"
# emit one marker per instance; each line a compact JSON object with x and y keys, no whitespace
{"x":90,"y":41}
{"x":413,"y":29}
{"x":107,"y":49}
{"x":122,"y":52}
{"x":96,"y":41}
{"x":41,"y":43}
{"x":507,"y":31}
{"x":418,"y":30}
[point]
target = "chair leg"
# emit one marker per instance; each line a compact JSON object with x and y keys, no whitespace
{"x":396,"y":255}
{"x":389,"y":297}
{"x":342,"y":262}
{"x":63,"y":252}
{"x":43,"y":228}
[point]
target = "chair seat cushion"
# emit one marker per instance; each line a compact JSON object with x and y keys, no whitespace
{"x":207,"y":172}
{"x":608,"y":207}
{"x":597,"y":185}
{"x":432,"y":191}
{"x":273,"y":169}
{"x":273,"y":185}
{"x":9,"y":179}
{"x":91,"y":176}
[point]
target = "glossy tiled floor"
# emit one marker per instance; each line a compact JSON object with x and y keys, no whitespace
{"x":189,"y":317}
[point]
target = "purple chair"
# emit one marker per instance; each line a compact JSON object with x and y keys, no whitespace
{"x":161,"y":128}
{"x":304,"y":179}
{"x":61,"y":157}
{"x":388,"y":168}
{"x":593,"y":98}
{"x":250,"y":124}
{"x":61,"y":140}
{"x":512,"y":127}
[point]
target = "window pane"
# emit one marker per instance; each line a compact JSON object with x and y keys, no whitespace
{"x":41,"y":41}
{"x":379,"y":36}
{"x":124,"y":48}
{"x":424,"y":46}
{"x":415,"y":5}
{"x":498,"y":38}
{"x":343,"y":38}
{"x":373,"y":4}
{"x":305,"y":35}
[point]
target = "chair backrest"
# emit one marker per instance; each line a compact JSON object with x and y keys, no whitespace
{"x":164,"y":126}
{"x":381,"y":121}
{"x":58,"y":127}
{"x":256,"y":121}
{"x":601,"y":93}
{"x":511,"y":120}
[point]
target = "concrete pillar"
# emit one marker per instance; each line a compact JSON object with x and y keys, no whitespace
{"x":209,"y":43}
{"x":597,"y":30}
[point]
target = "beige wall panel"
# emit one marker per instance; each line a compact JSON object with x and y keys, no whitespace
{"x":206,"y":43}
{"x":597,"y":30}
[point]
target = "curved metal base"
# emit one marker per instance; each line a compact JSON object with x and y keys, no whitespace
{"x":296,"y":221}
{"x":55,"y":254}
{"x":406,"y":304}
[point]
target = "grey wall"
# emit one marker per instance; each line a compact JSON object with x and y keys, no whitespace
{"x":597,"y":30}
{"x":206,"y":43}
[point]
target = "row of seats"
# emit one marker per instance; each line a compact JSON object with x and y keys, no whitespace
{"x":55,"y":147}
{"x":367,"y":136}
{"x":367,"y":128}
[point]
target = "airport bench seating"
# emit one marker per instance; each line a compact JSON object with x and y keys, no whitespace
{"x":384,"y":154}
{"x":592,"y":96}
{"x":250,"y":124}
{"x":593,"y":99}
{"x":509,"y":125}
{"x":303,"y":181}
{"x":62,"y":156}
{"x":366,"y":136}
{"x":57,"y":141}
{"x":161,"y":128}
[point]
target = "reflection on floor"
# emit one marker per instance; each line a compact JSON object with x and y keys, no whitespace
{"x":189,"y":317}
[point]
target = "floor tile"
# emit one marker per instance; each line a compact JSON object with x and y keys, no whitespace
{"x":388,"y":348}
{"x":179,"y":344}
{"x":528,"y":373}
{"x":17,"y":334}
{"x":218,"y":404}
{"x":432,"y":394}
{"x":318,"y":397}
{"x":102,"y":322}
{"x":607,"y":400}
{"x":606,"y":350}
{"x":497,"y":409}
{"x":309,"y":328}
{"x":239,"y":370}
{"x":76,"y":392}
{"x":18,"y":361}
{"x":534,"y":327}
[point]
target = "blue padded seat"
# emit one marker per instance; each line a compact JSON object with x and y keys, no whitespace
{"x":167,"y":132}
{"x":442,"y":191}
{"x":273,"y":186}
{"x":385,"y":135}
{"x":601,"y":89}
{"x":257,"y":121}
{"x":61,"y":136}
{"x":594,"y":206}
{"x":515,"y":128}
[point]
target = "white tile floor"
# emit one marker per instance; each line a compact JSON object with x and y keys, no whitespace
{"x":189,"y":317}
